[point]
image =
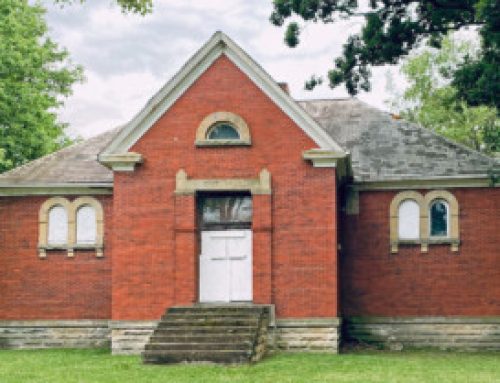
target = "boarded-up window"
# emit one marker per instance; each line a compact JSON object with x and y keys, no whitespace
{"x":86,"y":228}
{"x":58,"y":226}
{"x":409,"y":220}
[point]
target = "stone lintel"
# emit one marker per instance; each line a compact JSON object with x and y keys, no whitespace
{"x":260,"y":185}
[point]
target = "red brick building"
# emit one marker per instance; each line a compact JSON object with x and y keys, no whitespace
{"x":225,"y":189}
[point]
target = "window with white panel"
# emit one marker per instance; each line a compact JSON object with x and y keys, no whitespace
{"x":57,"y":226}
{"x":409,"y":220}
{"x":86,"y":225}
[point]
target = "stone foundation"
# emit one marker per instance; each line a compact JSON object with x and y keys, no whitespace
{"x":445,"y":333}
{"x":130,"y":337}
{"x":308,"y":334}
{"x":313,"y":334}
{"x":35,"y":334}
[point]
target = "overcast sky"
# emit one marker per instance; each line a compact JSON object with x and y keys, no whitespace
{"x":127,"y":58}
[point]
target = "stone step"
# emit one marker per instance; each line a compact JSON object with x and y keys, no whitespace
{"x":195,"y":346}
{"x":202,"y":338}
{"x":218,"y":330}
{"x":214,"y":356}
{"x":219,"y":334}
{"x":222,"y":310}
{"x":210,"y":315}
{"x":212,"y":321}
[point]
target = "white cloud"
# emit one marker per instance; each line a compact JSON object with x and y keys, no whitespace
{"x":103,"y":103}
{"x":128,"y":57}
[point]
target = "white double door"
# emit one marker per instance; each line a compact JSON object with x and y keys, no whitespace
{"x":226,"y":266}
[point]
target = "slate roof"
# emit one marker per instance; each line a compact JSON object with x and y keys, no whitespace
{"x":74,"y":164}
{"x":382,"y":149}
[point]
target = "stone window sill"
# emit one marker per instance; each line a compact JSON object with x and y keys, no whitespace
{"x":424,"y":244}
{"x":42,"y":250}
{"x":212,"y":143}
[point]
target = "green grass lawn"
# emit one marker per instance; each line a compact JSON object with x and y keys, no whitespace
{"x":96,"y":366}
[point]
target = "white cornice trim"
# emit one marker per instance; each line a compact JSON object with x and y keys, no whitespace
{"x":321,"y":158}
{"x":219,"y":44}
{"x":124,"y":162}
{"x":56,"y":189}
{"x":427,"y":183}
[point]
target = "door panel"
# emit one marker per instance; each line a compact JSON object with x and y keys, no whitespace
{"x":226,"y":266}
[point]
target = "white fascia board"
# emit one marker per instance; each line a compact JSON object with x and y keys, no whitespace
{"x":219,"y":44}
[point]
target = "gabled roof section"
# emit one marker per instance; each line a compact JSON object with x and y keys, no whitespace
{"x":385,"y":149}
{"x":218,"y":45}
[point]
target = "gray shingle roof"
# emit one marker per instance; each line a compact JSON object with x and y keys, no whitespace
{"x":381,"y":148}
{"x":72,"y":165}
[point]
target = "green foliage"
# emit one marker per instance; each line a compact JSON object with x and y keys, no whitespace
{"x":141,"y":7}
{"x":35,"y":75}
{"x":393,"y":28}
{"x":478,"y":79}
{"x":292,"y":35}
{"x":313,"y":82}
{"x":433,"y":102}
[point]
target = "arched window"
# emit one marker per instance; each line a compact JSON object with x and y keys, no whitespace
{"x":439,"y":216}
{"x":405,"y":214}
{"x":409,"y":220}
{"x":86,"y":225}
{"x":65,"y":225}
{"x":428,"y":220}
{"x":223,"y":131}
{"x":57,"y":226}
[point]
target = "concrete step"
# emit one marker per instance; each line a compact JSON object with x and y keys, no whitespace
{"x":214,"y":356}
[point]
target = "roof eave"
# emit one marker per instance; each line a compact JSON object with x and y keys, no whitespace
{"x":48,"y":188}
{"x":447,"y":182}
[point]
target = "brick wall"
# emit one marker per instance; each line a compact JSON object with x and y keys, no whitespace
{"x":155,"y":245}
{"x":410,"y":283}
{"x":57,"y":287}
